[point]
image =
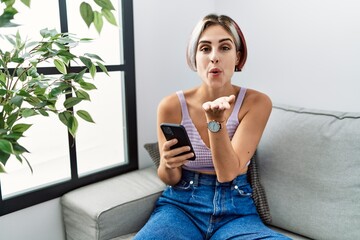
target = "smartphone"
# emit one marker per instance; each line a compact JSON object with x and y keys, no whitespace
{"x":177,"y":131}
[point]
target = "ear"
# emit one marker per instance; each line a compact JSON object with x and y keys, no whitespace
{"x":238,"y":54}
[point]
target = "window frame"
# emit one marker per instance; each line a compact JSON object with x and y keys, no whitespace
{"x":40,"y":195}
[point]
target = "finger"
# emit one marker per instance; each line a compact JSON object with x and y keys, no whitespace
{"x":215,"y":105}
{"x":168,"y":144}
{"x":230,"y":99}
{"x":175,"y":162}
{"x":207,"y":106}
{"x":226,"y":105}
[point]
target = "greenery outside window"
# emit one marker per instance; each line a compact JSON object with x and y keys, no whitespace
{"x":101,"y":150}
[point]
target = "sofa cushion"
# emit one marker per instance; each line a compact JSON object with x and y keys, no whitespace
{"x":258,"y":195}
{"x":309,"y":163}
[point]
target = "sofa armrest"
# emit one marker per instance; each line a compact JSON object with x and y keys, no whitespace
{"x":113,"y":207}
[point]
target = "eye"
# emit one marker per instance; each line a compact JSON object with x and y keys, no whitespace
{"x":225,"y":48}
{"x":205,"y":49}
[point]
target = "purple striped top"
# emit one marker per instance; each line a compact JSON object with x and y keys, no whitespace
{"x":203,"y":160}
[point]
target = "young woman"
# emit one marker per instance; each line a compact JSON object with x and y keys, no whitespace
{"x":210,"y":198}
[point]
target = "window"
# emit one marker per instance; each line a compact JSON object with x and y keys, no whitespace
{"x":101,"y":150}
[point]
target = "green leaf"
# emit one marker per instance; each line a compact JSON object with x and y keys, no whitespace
{"x":8,"y":15}
{"x":109,"y":16}
{"x":65,"y":117}
{"x":85,"y":115}
{"x":33,"y":100}
{"x":4,"y":157}
{"x":28,"y":112}
{"x":73,"y":125}
{"x":33,"y":72}
{"x":17,"y":100}
{"x":86,"y":61}
{"x":68,"y":55}
{"x":82,"y":95}
{"x":94,"y":56}
{"x":87,"y":86}
{"x":69,"y":121}
{"x":105,"y":4}
{"x":23,"y":93}
{"x":86,"y":13}
{"x":69,"y":76}
{"x":2,"y":167}
{"x":13,"y":136}
{"x":17,"y":60}
{"x":19,"y":157}
{"x":3,"y":92}
{"x":98,"y":21}
{"x":71,"y":101}
{"x":26,"y":2}
{"x":39,"y":91}
{"x":8,"y":108}
{"x":103,"y":68}
{"x":21,"y":73}
{"x":3,"y":77}
{"x":60,"y":66}
{"x":18,"y":149}
{"x":6,"y":146}
{"x":45,"y":32}
{"x":12,"y":119}
{"x":21,"y":127}
{"x":92,"y":71}
{"x":43,"y":112}
{"x":79,"y":76}
{"x":55,"y":92}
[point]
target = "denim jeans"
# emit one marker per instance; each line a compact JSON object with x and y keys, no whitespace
{"x":199,"y":207}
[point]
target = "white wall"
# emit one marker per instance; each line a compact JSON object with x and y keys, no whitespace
{"x":304,"y":53}
{"x":40,"y":222}
{"x":301,"y":52}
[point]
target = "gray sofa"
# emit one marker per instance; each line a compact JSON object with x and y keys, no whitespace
{"x":308,"y":163}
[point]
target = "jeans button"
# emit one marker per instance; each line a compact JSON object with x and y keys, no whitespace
{"x":191,"y":182}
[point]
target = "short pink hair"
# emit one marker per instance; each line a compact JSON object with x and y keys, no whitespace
{"x":229,"y":25}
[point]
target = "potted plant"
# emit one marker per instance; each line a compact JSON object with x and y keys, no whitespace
{"x":26,"y":92}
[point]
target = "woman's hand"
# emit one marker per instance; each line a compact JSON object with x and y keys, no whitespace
{"x":215,"y":109}
{"x":171,"y":157}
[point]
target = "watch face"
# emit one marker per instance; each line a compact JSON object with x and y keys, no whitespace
{"x":214,"y":126}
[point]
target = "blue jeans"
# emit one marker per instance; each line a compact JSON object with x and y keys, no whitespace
{"x":199,"y":207}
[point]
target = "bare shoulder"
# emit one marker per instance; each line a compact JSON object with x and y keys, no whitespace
{"x":256,"y":101}
{"x":169,"y":108}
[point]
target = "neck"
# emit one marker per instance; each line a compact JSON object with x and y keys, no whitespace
{"x":210,"y":94}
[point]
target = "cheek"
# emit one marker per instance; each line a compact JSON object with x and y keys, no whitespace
{"x":200,"y":63}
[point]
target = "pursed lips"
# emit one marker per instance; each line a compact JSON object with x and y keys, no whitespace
{"x":215,"y":71}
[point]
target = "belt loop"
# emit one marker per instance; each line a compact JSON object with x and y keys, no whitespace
{"x":196,"y":179}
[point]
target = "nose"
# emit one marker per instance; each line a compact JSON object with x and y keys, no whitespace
{"x":214,"y":57}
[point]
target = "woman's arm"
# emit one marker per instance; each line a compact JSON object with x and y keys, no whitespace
{"x":169,"y":171}
{"x":230,"y":158}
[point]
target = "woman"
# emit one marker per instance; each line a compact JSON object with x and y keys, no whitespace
{"x":210,"y":198}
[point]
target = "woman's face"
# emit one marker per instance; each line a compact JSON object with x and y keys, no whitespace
{"x":216,"y":56}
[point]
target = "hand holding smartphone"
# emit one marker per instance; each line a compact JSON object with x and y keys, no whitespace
{"x":177,"y":131}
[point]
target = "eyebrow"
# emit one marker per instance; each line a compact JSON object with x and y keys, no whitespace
{"x":220,"y":41}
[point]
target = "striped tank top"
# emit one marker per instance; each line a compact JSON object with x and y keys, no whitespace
{"x":203,"y":160}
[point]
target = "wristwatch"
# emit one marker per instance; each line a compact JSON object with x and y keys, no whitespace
{"x":214,"y":126}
